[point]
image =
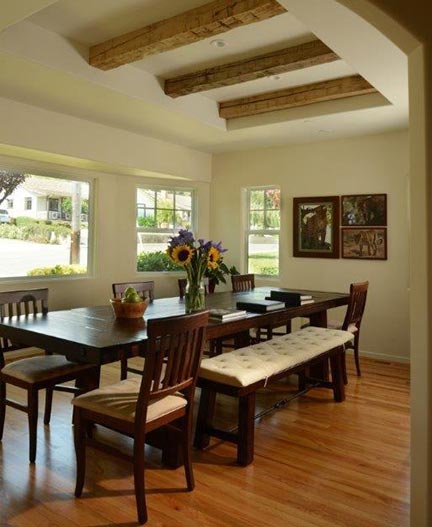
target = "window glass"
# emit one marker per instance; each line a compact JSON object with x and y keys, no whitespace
{"x":262,"y":236}
{"x":160,"y":214}
{"x":46,"y":231}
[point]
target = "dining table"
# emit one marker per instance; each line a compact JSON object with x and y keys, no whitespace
{"x":94,"y":335}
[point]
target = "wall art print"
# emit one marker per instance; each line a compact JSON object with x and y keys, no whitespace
{"x":364,"y":210}
{"x":364,"y":243}
{"x":316,"y":227}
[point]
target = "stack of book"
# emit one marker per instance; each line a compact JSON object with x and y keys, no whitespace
{"x":290,"y":299}
{"x":261,"y":306}
{"x":224,"y":315}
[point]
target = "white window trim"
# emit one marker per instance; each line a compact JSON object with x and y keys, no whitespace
{"x":249,"y":231}
{"x":38,"y":168}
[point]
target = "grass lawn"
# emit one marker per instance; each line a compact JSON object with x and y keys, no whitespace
{"x":264,"y":263}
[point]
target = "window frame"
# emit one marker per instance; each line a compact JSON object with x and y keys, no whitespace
{"x":249,"y":231}
{"x":57,"y":172}
{"x":194,"y":218}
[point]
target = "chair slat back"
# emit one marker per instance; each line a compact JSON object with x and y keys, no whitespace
{"x":242,"y":282}
{"x":356,"y":305}
{"x":144,"y":289}
{"x":182,"y":283}
{"x":173,"y":356}
{"x":20,"y":303}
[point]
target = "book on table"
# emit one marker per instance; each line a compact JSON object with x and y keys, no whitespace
{"x":261,"y":306}
{"x":224,"y":315}
{"x":291,"y":299}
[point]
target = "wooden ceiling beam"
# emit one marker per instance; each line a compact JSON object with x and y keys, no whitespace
{"x":297,"y":96}
{"x":281,"y":61}
{"x":196,"y":24}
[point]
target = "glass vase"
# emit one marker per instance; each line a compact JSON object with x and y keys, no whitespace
{"x":194,"y":296}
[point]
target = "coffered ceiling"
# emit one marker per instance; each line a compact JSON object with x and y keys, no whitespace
{"x":216,"y":76}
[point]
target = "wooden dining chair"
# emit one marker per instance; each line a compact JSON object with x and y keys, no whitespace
{"x":164,"y":394}
{"x":353,"y":319}
{"x":145,"y":290}
{"x":242,"y":282}
{"x":182,"y":283}
{"x":46,"y":372}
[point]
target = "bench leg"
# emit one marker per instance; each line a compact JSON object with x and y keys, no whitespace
{"x":337,"y":376}
{"x":246,"y":431}
{"x":204,"y":418}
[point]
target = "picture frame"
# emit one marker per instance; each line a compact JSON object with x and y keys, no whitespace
{"x":316,"y":227}
{"x":364,"y":243}
{"x":364,"y":210}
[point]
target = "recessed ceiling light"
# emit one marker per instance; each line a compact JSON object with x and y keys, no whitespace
{"x":218,"y":43}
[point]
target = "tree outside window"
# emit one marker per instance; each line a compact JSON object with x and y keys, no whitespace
{"x":262,"y":233}
{"x":40,"y":238}
{"x":160,"y":215}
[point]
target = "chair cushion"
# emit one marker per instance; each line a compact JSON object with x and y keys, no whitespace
{"x":335,"y":324}
{"x":40,"y":369}
{"x":22,"y":353}
{"x":255,"y":363}
{"x":119,"y":400}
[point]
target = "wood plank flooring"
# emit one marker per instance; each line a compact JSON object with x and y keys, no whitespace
{"x":317,"y":464}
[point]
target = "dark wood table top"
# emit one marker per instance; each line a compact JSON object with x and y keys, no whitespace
{"x":92,"y":334}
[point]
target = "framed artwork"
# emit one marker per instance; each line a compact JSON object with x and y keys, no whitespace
{"x":364,"y":244}
{"x":364,"y":210}
{"x":316,"y":227}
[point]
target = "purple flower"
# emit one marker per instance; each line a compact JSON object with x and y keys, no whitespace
{"x":184,"y":237}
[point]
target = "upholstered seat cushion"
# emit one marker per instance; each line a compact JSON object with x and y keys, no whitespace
{"x":335,"y":324}
{"x":246,"y":366}
{"x":119,"y":400}
{"x":22,"y":353}
{"x":40,"y":369}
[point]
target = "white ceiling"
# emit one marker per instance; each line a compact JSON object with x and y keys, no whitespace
{"x":43,"y":62}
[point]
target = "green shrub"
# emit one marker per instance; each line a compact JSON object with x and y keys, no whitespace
{"x":58,"y":270}
{"x":156,"y":261}
{"x":35,"y":231}
{"x":146,"y":221}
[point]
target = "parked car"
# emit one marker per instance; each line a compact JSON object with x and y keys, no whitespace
{"x":4,"y":216}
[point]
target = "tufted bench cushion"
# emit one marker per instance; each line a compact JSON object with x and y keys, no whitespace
{"x":258,"y":362}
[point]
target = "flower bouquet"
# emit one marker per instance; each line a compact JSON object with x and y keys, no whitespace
{"x":197,"y":257}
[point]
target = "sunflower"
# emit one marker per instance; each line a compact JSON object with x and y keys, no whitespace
{"x":182,"y":254}
{"x":213,"y":258}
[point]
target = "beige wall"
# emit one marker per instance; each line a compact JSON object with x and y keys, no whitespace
{"x":371,"y":164}
{"x":36,"y":133}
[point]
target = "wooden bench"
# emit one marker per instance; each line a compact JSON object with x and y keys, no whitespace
{"x":241,"y":372}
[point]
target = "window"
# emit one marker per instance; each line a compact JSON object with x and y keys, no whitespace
{"x":262,"y":234}
{"x":160,"y":215}
{"x":9,"y":203}
{"x":39,"y":241}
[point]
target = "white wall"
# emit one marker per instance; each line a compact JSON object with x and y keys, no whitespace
{"x":371,"y":164}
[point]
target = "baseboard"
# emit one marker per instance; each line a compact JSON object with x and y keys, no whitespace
{"x":381,"y":356}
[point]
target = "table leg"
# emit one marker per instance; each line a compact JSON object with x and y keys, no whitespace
{"x":242,"y":339}
{"x":320,"y":371}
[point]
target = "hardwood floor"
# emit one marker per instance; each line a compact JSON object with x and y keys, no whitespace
{"x":317,"y":464}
